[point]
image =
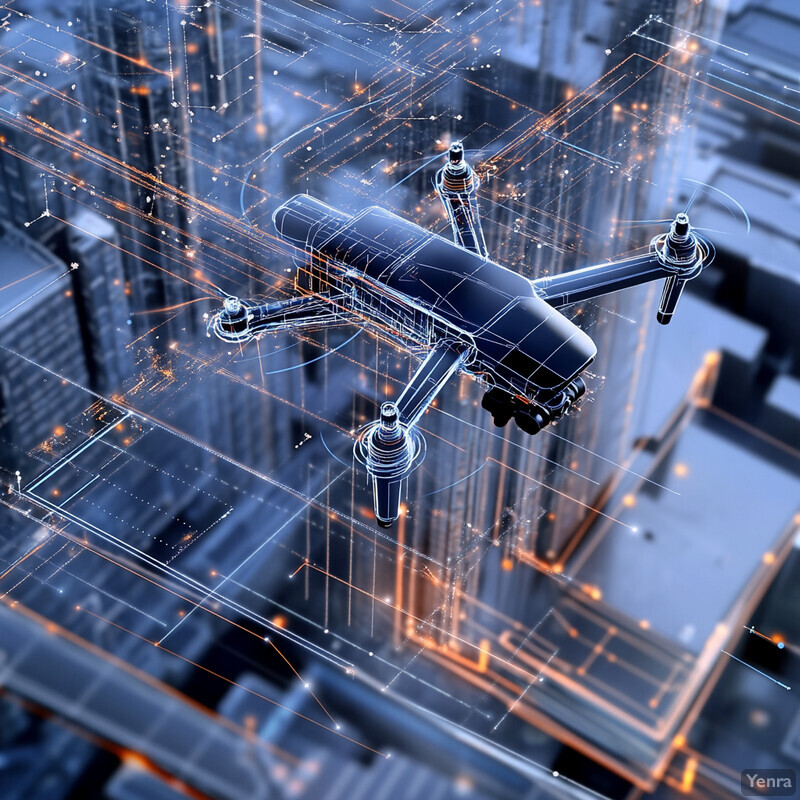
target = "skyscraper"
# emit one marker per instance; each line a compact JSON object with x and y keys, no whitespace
{"x":133,"y":80}
{"x":102,"y":299}
{"x":40,"y":331}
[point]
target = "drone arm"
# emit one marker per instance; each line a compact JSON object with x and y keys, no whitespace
{"x":679,"y":256}
{"x":429,"y":379}
{"x":390,"y":448}
{"x":296,"y":312}
{"x":583,"y":284}
{"x":457,"y":186}
{"x":240,"y":321}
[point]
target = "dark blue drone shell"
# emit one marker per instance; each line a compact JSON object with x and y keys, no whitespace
{"x":521,"y":340}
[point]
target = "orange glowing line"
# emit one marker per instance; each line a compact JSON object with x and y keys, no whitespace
{"x":68,"y":635}
{"x":139,"y":62}
{"x":22,"y":560}
{"x":702,"y":757}
{"x":25,"y":278}
{"x":754,"y":431}
{"x":169,"y":308}
{"x":398,"y":578}
{"x":688,"y":775}
{"x":562,"y":494}
{"x":28,"y":79}
{"x":232,"y":682}
{"x":308,"y":688}
{"x":304,"y":564}
{"x":724,"y":91}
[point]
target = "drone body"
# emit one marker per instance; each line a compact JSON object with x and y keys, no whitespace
{"x":449,"y":301}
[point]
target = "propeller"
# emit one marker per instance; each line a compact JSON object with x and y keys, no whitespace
{"x":390,"y":450}
{"x":683,"y":253}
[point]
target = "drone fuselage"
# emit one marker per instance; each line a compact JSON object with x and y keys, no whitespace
{"x":416,"y":288}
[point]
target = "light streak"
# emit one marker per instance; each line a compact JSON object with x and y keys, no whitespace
{"x":730,"y":94}
{"x":24,"y":278}
{"x":780,"y":645}
{"x":696,"y":35}
{"x":411,"y":174}
{"x":332,"y":454}
{"x":232,"y":682}
{"x":455,"y":483}
{"x":36,"y":293}
{"x":536,"y":678}
{"x":764,"y":674}
{"x":175,"y":307}
{"x":313,"y":360}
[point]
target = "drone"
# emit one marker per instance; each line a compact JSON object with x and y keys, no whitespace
{"x":450,"y":304}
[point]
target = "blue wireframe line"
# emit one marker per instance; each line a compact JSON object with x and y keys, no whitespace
{"x":425,"y":164}
{"x":422,"y":166}
{"x":788,"y":688}
{"x":331,"y":453}
{"x":752,"y":91}
{"x":318,"y":358}
{"x":267,"y":355}
{"x":314,"y":124}
{"x":581,"y":149}
{"x":691,"y":200}
{"x":724,"y":194}
{"x":461,"y":480}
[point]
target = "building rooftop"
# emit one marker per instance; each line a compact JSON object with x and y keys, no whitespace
{"x":27,"y":268}
{"x":772,"y":203}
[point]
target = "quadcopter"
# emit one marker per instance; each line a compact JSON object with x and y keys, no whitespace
{"x":449,"y":303}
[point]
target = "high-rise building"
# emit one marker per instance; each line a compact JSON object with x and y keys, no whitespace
{"x":562,"y":184}
{"x":38,"y":321}
{"x":102,"y":299}
{"x":31,"y":164}
{"x":133,"y":80}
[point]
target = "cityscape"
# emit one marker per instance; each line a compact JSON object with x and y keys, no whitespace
{"x":204,"y":592}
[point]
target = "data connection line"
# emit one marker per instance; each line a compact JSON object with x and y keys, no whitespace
{"x":750,"y":666}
